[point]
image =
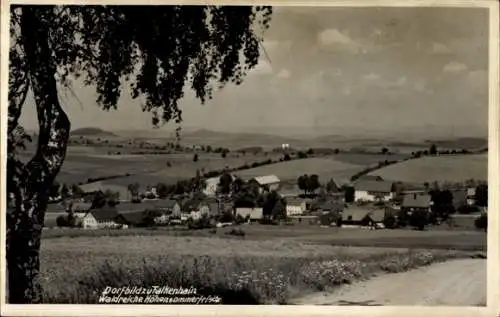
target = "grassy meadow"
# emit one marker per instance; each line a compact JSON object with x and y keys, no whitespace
{"x":76,"y":270}
{"x":326,"y":168}
{"x":446,"y":168}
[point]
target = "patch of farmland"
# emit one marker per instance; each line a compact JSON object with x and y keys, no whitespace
{"x":183,"y":167}
{"x":79,"y":167}
{"x":289,"y":170}
{"x":83,"y":163}
{"x":448,"y":168}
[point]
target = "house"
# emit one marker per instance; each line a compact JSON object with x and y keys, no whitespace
{"x":270,"y":182}
{"x":213,"y":208}
{"x":211,"y":186}
{"x":295,"y":206}
{"x":414,"y":191}
{"x":226,"y":207}
{"x":132,"y":219}
{"x":354,"y":215}
{"x":168,"y":207}
{"x":253,"y":214}
{"x":80,"y":207}
{"x":412,"y":203}
{"x":94,"y":187}
{"x":372,"y":190}
{"x":195,"y":209}
{"x":329,"y":218}
{"x":362,"y":216}
{"x":471,"y":196}
{"x":374,"y":217}
{"x":331,"y":206}
{"x":100,"y":218}
{"x":459,"y":198}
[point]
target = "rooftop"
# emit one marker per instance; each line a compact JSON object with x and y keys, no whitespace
{"x":106,"y":213}
{"x":374,"y":186}
{"x":417,"y":201}
{"x":267,"y":180}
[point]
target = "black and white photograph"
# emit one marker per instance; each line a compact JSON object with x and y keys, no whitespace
{"x":247,"y":154}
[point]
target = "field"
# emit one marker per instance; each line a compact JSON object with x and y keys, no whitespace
{"x":148,"y":169}
{"x":366,"y":159}
{"x":324,"y":167}
{"x":456,"y":168}
{"x":246,"y":270}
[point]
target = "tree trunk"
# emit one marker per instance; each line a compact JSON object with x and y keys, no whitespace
{"x":25,"y":223}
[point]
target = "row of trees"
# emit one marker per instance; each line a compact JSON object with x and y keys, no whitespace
{"x":433,"y":151}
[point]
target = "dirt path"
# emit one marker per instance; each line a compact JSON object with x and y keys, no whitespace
{"x":455,"y":282}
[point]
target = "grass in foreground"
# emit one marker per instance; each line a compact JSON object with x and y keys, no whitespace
{"x":255,"y":276}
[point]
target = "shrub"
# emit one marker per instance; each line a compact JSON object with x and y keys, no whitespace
{"x":466,"y":209}
{"x":419,"y":219}
{"x":236,"y":232}
{"x":239,"y":219}
{"x":481,"y":222}
{"x":389,"y":221}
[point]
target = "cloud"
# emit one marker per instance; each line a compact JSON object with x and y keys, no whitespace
{"x":333,"y":39}
{"x":401,"y":81}
{"x":439,"y":48}
{"x":478,"y":79}
{"x":284,"y":74}
{"x":376,"y":32}
{"x":346,"y":91}
{"x":371,"y":76}
{"x":419,"y":85}
{"x":454,"y":67}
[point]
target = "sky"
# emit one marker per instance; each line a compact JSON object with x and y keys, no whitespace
{"x":354,"y":69}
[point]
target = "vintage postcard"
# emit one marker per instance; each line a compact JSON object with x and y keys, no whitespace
{"x":296,"y":158}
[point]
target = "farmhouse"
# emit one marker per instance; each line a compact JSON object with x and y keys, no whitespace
{"x":252,"y":214}
{"x":413,"y":191}
{"x":370,"y":190}
{"x":196,"y":209}
{"x":329,"y":218}
{"x":471,"y":196}
{"x":295,"y":206}
{"x":168,"y":206}
{"x":416,"y":202}
{"x":459,"y":198}
{"x":80,"y":207}
{"x":271,"y":182}
{"x":95,"y":187}
{"x":211,"y":186}
{"x":100,"y":218}
{"x":132,"y":219}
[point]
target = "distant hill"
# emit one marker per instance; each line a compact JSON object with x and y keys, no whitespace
{"x":235,"y":140}
{"x":89,"y":131}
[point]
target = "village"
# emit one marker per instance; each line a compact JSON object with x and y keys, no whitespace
{"x":369,"y":202}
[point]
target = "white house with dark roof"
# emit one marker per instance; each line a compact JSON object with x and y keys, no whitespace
{"x":101,"y":218}
{"x":372,"y":190}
